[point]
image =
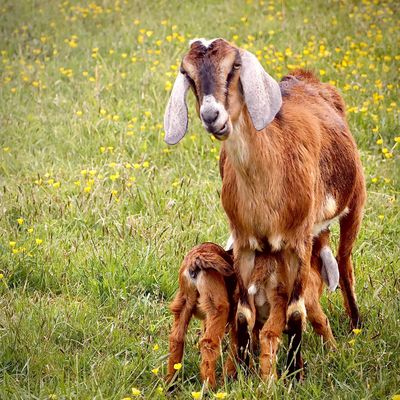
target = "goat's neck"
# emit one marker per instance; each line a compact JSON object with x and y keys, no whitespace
{"x":250,"y":152}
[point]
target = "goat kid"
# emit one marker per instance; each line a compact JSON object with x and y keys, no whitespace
{"x":207,"y":291}
{"x":207,"y":285}
{"x":290,"y":164}
{"x":270,"y":286}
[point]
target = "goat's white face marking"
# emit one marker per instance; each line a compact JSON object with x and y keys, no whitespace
{"x":213,"y":115}
{"x":206,"y":43}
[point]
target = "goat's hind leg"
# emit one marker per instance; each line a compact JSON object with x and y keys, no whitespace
{"x":320,"y":323}
{"x":216,"y":309}
{"x":182,"y":307}
{"x":349,"y":228}
{"x":271,"y":332}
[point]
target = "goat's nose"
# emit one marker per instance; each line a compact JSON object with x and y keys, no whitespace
{"x":209,"y":116}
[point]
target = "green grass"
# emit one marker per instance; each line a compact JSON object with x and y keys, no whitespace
{"x":109,"y":210}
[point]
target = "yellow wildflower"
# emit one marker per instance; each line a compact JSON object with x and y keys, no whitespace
{"x":135,"y":391}
{"x":356,"y":331}
{"x":220,"y":395}
{"x":20,"y":221}
{"x":12,"y":244}
{"x":196,"y":395}
{"x":155,"y":371}
{"x":177,"y":366}
{"x":156,"y":346}
{"x":38,"y":241}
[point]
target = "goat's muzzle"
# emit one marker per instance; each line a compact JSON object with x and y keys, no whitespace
{"x":214,"y":117}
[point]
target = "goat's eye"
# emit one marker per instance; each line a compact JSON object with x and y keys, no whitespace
{"x":182,"y":71}
{"x":237,"y":66}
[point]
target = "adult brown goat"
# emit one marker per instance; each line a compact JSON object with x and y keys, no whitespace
{"x":290,"y":165}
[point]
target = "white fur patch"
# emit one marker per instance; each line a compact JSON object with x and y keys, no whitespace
{"x":275,"y":241}
{"x":330,"y":269}
{"x":252,"y":289}
{"x":253,"y":243}
{"x":229,"y":243}
{"x":206,"y":43}
{"x":299,"y":307}
{"x":330,"y":205}
{"x":321,"y":226}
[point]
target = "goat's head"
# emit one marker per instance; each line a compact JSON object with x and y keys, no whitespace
{"x":224,"y":80}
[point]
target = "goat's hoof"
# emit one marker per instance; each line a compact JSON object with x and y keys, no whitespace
{"x":356,"y":323}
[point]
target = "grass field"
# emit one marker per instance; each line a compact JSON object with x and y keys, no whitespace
{"x":96,"y":212}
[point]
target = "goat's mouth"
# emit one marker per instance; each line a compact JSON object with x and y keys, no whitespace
{"x":223,"y":133}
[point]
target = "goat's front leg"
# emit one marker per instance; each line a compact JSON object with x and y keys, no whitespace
{"x":245,"y":316}
{"x":182,"y":307}
{"x":296,"y":313}
{"x":271,"y":332}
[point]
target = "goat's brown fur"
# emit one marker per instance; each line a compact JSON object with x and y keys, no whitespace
{"x":207,"y":291}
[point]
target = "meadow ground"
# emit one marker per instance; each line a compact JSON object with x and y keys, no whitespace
{"x":97,"y":212}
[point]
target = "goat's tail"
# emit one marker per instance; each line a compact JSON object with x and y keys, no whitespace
{"x":209,"y":256}
{"x":305,"y":75}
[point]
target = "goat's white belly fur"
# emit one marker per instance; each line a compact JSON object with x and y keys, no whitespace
{"x":323,"y":225}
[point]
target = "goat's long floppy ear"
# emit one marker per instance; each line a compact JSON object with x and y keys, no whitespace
{"x":176,"y":113}
{"x":261,"y":92}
